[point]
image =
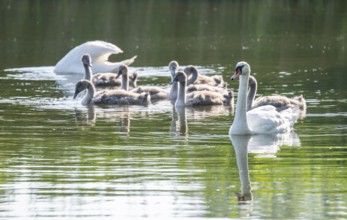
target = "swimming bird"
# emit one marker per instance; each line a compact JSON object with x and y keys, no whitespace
{"x":278,"y":101}
{"x":197,"y":78}
{"x":198,"y":97}
{"x":261,"y":120}
{"x":104,"y":79}
{"x":109,"y":97}
{"x":99,"y":52}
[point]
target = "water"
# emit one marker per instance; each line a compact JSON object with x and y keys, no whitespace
{"x":60,"y":159}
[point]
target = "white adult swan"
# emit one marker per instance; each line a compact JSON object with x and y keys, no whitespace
{"x":198,"y":97}
{"x":261,"y":120}
{"x":278,"y":101}
{"x":109,"y":97}
{"x":99,"y":52}
{"x":104,"y":79}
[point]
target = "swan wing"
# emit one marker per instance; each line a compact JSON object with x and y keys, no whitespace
{"x":98,"y":50}
{"x":266,"y":120}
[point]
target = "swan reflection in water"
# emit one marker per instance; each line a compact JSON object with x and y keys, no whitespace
{"x":181,"y":115}
{"x":87,"y":116}
{"x":179,"y":120}
{"x":261,"y":145}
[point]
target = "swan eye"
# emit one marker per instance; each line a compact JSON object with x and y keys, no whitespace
{"x":239,"y":69}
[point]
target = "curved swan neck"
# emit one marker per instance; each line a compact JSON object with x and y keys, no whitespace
{"x":87,"y":99}
{"x":252,"y":83}
{"x":240,"y":124}
{"x":181,"y":96}
{"x":194,"y":72}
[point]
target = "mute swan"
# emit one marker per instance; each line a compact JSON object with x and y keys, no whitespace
{"x":104,"y":79}
{"x":198,"y":97}
{"x":109,"y":97}
{"x":279,"y":102}
{"x":123,"y":71}
{"x":201,"y":79}
{"x":261,"y":120}
{"x":173,"y":67}
{"x":156,"y":92}
{"x":99,"y":52}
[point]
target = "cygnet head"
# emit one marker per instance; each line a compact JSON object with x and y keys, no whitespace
{"x":123,"y":69}
{"x":180,"y":77}
{"x":81,"y":86}
{"x":190,"y":69}
{"x":242,"y":68}
{"x":87,"y":60}
{"x":173,"y":66}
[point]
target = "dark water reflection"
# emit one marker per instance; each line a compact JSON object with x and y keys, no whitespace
{"x":61,"y":159}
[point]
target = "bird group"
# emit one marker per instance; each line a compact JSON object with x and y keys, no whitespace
{"x":266,"y":114}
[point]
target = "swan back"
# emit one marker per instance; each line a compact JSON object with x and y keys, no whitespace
{"x":99,"y":52}
{"x":109,"y":97}
{"x":155,"y":92}
{"x":278,"y":101}
{"x":197,"y":78}
{"x":111,"y":79}
{"x":121,"y":97}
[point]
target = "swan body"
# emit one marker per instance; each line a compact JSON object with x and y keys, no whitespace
{"x":99,"y":52}
{"x":201,"y":79}
{"x":198,"y":97}
{"x":261,"y":120}
{"x":204,"y":87}
{"x":104,"y":79}
{"x":109,"y":97}
{"x":110,"y":79}
{"x":279,"y":102}
{"x":156,"y":93}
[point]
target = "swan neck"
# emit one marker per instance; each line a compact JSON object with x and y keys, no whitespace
{"x":240,"y":124}
{"x":173,"y":91}
{"x":181,"y":96}
{"x":193,"y":77}
{"x":125,"y":81}
{"x":88,"y":72}
{"x":87,"y":99}
{"x":251,"y":93}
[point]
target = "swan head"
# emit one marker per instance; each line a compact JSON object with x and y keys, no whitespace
{"x":179,"y":77}
{"x":173,"y":66}
{"x":123,"y":69}
{"x":86,"y":60}
{"x":242,"y":68}
{"x":81,"y":86}
{"x":190,"y":70}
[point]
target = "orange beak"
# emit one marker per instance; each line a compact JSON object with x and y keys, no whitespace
{"x":237,"y":73}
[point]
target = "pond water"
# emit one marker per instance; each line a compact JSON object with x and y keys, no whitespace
{"x":60,"y":159}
